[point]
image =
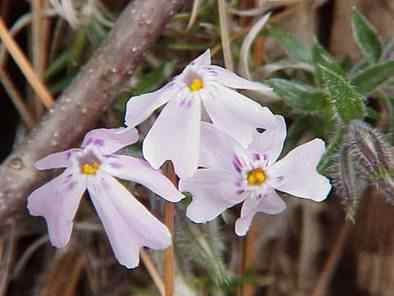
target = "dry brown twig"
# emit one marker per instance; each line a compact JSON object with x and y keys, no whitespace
{"x":25,"y":66}
{"x":169,"y":216}
{"x":100,"y":81}
{"x":16,"y":97}
{"x":151,"y":268}
{"x":40,"y":32}
{"x":332,"y":261}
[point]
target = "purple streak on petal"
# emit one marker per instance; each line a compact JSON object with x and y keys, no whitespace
{"x":116,"y":165}
{"x":241,"y":191}
{"x":236,"y":166}
{"x":166,"y":138}
{"x":213,"y":191}
{"x":237,"y":163}
{"x":185,"y":103}
{"x":238,"y":183}
{"x":213,"y":72}
{"x":182,"y":103}
{"x":110,"y":140}
{"x":99,"y":142}
{"x":71,"y":185}
{"x":56,"y":160}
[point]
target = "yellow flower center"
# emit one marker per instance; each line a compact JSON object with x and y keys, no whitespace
{"x":196,"y":84}
{"x":256,"y":177}
{"x":89,"y":168}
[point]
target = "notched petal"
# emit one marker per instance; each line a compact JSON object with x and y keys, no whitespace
{"x":128,"y":224}
{"x":57,"y":201}
{"x":108,"y":141}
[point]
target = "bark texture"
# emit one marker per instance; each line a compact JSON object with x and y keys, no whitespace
{"x":99,"y":82}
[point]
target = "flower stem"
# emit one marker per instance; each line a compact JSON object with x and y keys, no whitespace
{"x":249,"y":252}
{"x":150,"y":266}
{"x":169,"y":252}
{"x":169,"y":214}
{"x":248,"y":257}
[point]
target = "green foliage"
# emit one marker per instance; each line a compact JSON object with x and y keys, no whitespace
{"x":201,"y":246}
{"x":368,"y":80}
{"x":67,"y":64}
{"x":152,"y":80}
{"x":366,"y":37}
{"x":295,"y":49}
{"x":294,"y":133}
{"x":333,"y":105}
{"x":333,"y":148}
{"x":347,"y":102}
{"x":299,"y":96}
{"x":321,"y":57}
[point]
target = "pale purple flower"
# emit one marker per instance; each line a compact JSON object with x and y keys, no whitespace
{"x":233,"y":174}
{"x":200,"y":87}
{"x":128,"y":224}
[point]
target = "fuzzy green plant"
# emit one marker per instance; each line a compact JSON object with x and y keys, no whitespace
{"x":334,"y":99}
{"x":202,"y":247}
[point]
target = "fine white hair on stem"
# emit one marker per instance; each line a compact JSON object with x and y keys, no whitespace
{"x":74,"y":13}
{"x":247,"y":43}
{"x":225,"y":35}
{"x":269,"y":4}
{"x":268,"y":69}
{"x":194,"y":14}
{"x":101,"y":14}
{"x":248,"y":12}
{"x":65,"y":8}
